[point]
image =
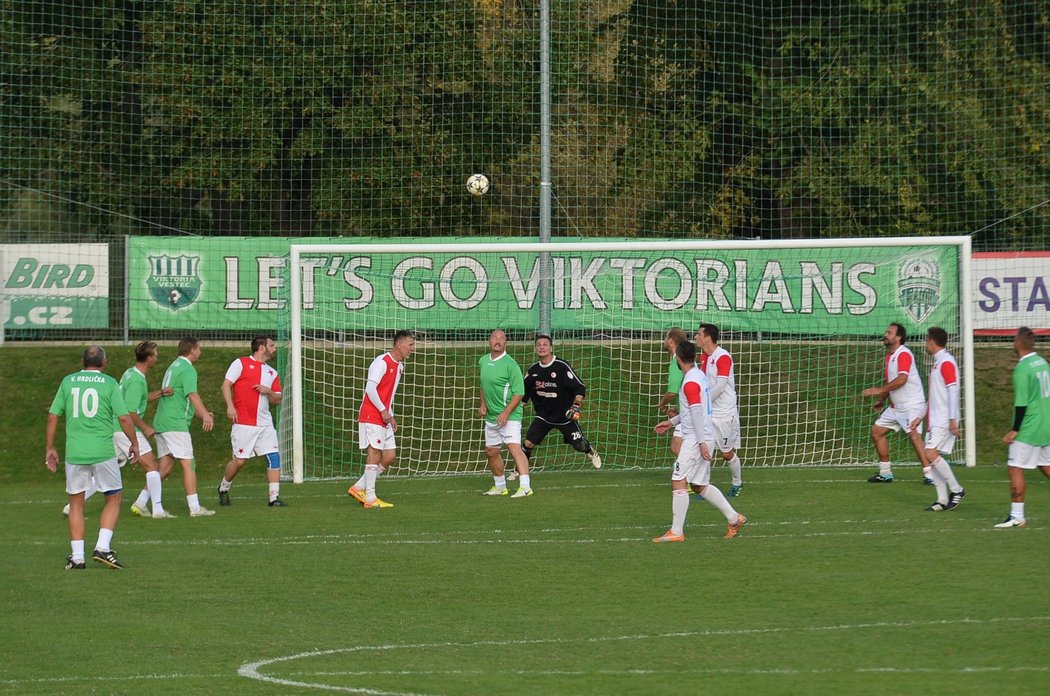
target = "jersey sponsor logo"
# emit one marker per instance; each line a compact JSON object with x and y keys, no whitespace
{"x":918,"y":286}
{"x":174,"y":281}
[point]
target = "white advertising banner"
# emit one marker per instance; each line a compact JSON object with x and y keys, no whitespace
{"x":54,"y":286}
{"x":1010,"y":290}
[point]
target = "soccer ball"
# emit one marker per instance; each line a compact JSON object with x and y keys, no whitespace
{"x":174,"y":296}
{"x":478,"y":184}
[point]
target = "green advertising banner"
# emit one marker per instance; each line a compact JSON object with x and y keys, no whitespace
{"x":54,"y":286}
{"x":240,"y":283}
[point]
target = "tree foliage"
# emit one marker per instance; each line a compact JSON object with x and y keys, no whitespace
{"x":687,"y":118}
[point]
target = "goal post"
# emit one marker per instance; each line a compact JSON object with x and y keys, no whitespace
{"x":801,"y":318}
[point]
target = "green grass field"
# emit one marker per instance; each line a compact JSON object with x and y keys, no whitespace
{"x":835,"y":586}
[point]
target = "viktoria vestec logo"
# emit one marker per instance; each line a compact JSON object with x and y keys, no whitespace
{"x":919,"y":286}
{"x":174,"y":281}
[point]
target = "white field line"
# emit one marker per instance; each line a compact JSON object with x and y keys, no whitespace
{"x":252,"y":670}
{"x":493,"y":537}
{"x":338,"y":490}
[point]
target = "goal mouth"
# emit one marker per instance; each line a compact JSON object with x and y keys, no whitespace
{"x":802,"y":320}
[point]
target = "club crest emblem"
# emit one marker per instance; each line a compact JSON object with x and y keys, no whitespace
{"x":919,"y":287}
{"x":174,"y":281}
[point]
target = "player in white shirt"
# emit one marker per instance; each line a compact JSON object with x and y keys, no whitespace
{"x":717,"y":364}
{"x":692,"y":468}
{"x":376,"y":423}
{"x":249,"y":388}
{"x":942,"y":421}
{"x":669,"y":401}
{"x":903,"y":388}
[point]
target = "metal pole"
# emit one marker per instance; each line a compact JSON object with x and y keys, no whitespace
{"x":544,"y":260}
{"x":127,"y":288}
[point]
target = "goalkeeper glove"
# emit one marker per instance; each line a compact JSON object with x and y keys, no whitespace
{"x":573,"y":413}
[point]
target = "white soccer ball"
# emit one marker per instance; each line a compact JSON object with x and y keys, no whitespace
{"x":478,"y":184}
{"x":174,"y":296}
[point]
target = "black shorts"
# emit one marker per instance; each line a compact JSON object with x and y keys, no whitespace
{"x":538,"y":429}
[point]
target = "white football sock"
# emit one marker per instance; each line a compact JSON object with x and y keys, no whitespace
{"x":153,"y":486}
{"x":526,"y":481}
{"x":224,"y":485}
{"x":143,"y":498}
{"x":360,"y":484}
{"x":943,"y":468}
{"x":193,"y":502}
{"x":734,"y":470}
{"x":885,"y":469}
{"x":500,"y":481}
{"x":714,"y":496}
{"x":275,"y":491}
{"x":105,"y":536}
{"x":679,"y":509}
{"x":76,"y":549}
{"x":371,"y":473}
{"x":939,"y":484}
{"x":1017,"y":511}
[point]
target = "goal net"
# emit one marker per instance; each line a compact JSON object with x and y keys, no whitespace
{"x":802,"y":320}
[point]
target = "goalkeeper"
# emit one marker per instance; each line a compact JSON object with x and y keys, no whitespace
{"x":556,"y":393}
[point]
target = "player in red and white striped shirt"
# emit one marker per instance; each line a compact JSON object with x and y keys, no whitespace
{"x":717,"y":364}
{"x":692,"y":468}
{"x":903,"y":387}
{"x":942,"y":421}
{"x":250,"y":387}
{"x":376,"y":423}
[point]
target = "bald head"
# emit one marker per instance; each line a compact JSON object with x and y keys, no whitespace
{"x":94,"y":357}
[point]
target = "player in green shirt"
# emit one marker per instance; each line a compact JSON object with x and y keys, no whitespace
{"x":669,"y":402}
{"x":172,"y":421}
{"x":499,"y":403}
{"x":1029,"y":438}
{"x":91,"y":402}
{"x":137,"y":395}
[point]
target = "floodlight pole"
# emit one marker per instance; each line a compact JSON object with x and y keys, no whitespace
{"x":544,"y":298}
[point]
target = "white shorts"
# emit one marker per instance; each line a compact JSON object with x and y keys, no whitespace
{"x":1025,"y":456}
{"x":250,"y":440}
{"x":940,"y":439}
{"x":177,"y":444}
{"x":121,"y":443}
{"x":690,"y":466}
{"x":727,"y":433}
{"x":898,"y":421}
{"x":380,"y":437}
{"x":509,"y":434}
{"x":677,"y":431}
{"x":105,"y":475}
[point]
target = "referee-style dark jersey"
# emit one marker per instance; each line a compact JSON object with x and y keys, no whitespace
{"x":552,"y":389}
